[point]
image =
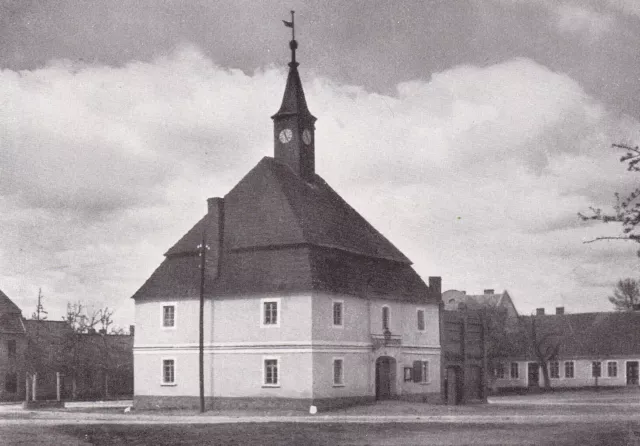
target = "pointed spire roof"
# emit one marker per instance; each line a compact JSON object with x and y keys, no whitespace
{"x":293,"y":101}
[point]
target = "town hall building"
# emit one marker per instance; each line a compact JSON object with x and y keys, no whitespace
{"x":305,"y":303}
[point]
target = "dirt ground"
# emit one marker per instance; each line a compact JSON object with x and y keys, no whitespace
{"x":324,"y":434}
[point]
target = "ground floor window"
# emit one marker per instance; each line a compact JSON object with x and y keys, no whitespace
{"x":421,"y":371}
{"x":596,"y":369}
{"x":612,"y":369}
{"x":554,"y":369}
{"x":11,"y":383}
{"x":271,"y":375}
{"x":568,"y":369}
{"x":168,"y":371}
{"x":338,"y":372}
{"x":425,"y":371}
{"x":515,"y":372}
{"x":499,"y":371}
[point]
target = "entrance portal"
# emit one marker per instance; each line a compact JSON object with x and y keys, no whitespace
{"x":385,"y":377}
{"x":533,"y":374}
{"x":632,"y":373}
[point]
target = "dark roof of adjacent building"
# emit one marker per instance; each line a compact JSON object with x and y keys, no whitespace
{"x":591,"y":335}
{"x":7,"y":305}
{"x":453,"y":299}
{"x":10,"y":316}
{"x":282,"y":233}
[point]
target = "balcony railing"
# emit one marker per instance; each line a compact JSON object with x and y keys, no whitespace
{"x":386,"y":339}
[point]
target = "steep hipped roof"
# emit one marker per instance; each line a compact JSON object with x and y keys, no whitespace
{"x":7,"y":305}
{"x":591,"y":335}
{"x":282,"y":233}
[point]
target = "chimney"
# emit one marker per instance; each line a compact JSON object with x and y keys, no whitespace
{"x":132,"y":330}
{"x":489,"y":291}
{"x":435,"y":285}
{"x":559,"y":310}
{"x":213,"y":204}
{"x":539,"y":311}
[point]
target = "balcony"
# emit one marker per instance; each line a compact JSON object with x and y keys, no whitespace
{"x":386,"y":339}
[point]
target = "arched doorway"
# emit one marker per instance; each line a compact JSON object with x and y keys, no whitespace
{"x":385,"y":377}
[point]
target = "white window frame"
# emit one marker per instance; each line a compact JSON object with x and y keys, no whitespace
{"x":517,"y":369}
{"x":333,"y":320}
{"x":388,"y":327}
{"x":424,"y":319}
{"x":175,"y":315}
{"x":175,"y":373}
{"x":333,"y":372}
{"x":278,"y":302}
{"x":573,"y":369}
{"x":264,"y":371}
{"x":425,"y":374}
{"x":608,"y":369}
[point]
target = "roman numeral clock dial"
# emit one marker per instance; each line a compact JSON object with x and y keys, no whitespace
{"x":285,"y":136}
{"x":306,"y":136}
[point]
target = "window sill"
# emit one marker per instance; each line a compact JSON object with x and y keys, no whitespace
{"x":168,"y":384}
{"x":270,"y":386}
{"x":339,"y":385}
{"x":270,"y":326}
{"x":424,"y":383}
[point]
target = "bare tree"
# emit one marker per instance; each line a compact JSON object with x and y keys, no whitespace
{"x":40,"y":314}
{"x":627,"y":208}
{"x":626,"y":295}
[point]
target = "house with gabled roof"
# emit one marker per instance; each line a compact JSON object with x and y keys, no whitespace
{"x":305,"y":302}
{"x":13,"y":345}
{"x":489,"y":299}
{"x":591,"y":350}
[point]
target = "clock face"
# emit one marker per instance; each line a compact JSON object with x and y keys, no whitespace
{"x":285,"y":136}
{"x":306,"y":136}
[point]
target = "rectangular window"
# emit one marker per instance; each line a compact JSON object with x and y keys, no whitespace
{"x":11,"y":348}
{"x":515,"y":372}
{"x":338,"y":372}
{"x":425,"y":371}
{"x":421,"y":325}
{"x":168,"y":371}
{"x":568,"y":369}
{"x":385,"y":318}
{"x":499,"y":371}
{"x":337,"y":314}
{"x":270,"y":313}
{"x":554,"y":369}
{"x":596,"y":369}
{"x":271,"y":377}
{"x":11,"y":383}
{"x":612,"y":369}
{"x":168,"y":316}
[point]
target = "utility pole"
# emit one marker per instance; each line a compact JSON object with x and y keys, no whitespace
{"x":202,"y":249}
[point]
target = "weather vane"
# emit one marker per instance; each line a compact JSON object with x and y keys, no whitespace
{"x":293,"y":44}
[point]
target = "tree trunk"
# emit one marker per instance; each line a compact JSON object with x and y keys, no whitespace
{"x":545,"y":375}
{"x":106,"y":385}
{"x":74,"y":387}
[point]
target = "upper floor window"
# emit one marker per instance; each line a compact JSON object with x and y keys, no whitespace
{"x":11,"y":348}
{"x":337,"y":313}
{"x":168,"y":371}
{"x":169,"y":316}
{"x":338,"y":372}
{"x":596,"y":369}
{"x":612,"y":369}
{"x":515,"y":372}
{"x":568,"y":369}
{"x":421,"y":324}
{"x":554,"y":369}
{"x":385,"y":318}
{"x":270,"y":312}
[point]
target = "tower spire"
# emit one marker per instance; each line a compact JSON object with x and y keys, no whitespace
{"x":293,"y":124}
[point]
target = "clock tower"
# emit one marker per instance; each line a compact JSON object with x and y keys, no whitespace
{"x":293,"y":124}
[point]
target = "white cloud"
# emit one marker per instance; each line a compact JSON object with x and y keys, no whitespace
{"x":477,"y":173}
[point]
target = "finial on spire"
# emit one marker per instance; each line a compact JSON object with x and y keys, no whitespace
{"x":293,"y":44}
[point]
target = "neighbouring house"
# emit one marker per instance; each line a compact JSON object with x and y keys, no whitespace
{"x":586,"y":350}
{"x":41,"y":352}
{"x":464,"y":356}
{"x":13,"y":344}
{"x":454,"y":300}
{"x":305,"y":303}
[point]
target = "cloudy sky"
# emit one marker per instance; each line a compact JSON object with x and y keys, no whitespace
{"x":470,"y":133}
